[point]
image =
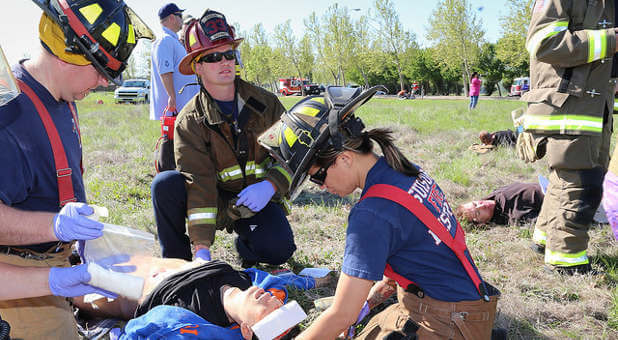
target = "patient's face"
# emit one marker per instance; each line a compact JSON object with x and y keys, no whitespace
{"x":479,"y":211}
{"x":253,"y":304}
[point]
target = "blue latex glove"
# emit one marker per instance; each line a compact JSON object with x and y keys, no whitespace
{"x":115,"y":333}
{"x":203,"y":254}
{"x":71,"y":282}
{"x":363,"y":313}
{"x":71,"y":223}
{"x":256,"y":196}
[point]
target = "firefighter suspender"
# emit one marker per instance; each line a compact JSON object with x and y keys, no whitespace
{"x":63,"y":170}
{"x":457,"y":244}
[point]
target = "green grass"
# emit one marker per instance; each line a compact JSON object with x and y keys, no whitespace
{"x":119,"y":139}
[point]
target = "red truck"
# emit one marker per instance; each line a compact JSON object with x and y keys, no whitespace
{"x":289,"y":86}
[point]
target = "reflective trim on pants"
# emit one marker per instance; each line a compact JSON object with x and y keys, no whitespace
{"x":565,"y":260}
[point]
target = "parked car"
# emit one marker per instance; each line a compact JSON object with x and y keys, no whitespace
{"x":133,"y":91}
{"x":520,"y":86}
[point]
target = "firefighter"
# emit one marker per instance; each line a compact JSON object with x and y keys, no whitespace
{"x":569,"y":119}
{"x":402,"y":233}
{"x":224,"y":179}
{"x":84,"y":44}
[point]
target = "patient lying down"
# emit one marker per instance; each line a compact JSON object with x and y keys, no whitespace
{"x":224,"y":299}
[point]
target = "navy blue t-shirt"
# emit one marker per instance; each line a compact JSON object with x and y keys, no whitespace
{"x":28,"y":174}
{"x":381,"y":231}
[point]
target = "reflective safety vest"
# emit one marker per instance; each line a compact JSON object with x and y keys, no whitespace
{"x":457,"y":244}
{"x":66,"y":193}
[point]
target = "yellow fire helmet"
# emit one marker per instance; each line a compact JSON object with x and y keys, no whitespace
{"x":313,"y":124}
{"x":104,"y":32}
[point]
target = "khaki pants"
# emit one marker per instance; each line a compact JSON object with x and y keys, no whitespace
{"x":469,"y":320}
{"x":46,"y":317}
{"x":577,"y":166}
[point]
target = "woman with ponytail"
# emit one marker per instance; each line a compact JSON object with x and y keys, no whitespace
{"x":401,"y":234}
{"x":433,"y":286}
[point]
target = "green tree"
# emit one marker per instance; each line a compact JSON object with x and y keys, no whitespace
{"x":287,"y":45}
{"x":394,"y":38}
{"x":256,"y":54}
{"x":491,"y":68}
{"x":457,"y":34}
{"x":511,"y":47}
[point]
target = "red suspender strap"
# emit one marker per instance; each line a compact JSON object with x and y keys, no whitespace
{"x":456,"y":244}
{"x":63,"y":171}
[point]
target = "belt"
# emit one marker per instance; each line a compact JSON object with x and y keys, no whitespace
{"x":31,"y":254}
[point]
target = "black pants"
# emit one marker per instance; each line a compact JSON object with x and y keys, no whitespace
{"x":266,"y":237}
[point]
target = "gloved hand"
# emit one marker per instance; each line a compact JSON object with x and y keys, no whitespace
{"x":256,"y":196}
{"x":71,"y":223}
{"x":528,"y":149}
{"x":202,"y":254}
{"x":363,"y":313}
{"x":71,"y":282}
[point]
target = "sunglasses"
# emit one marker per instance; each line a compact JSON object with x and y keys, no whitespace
{"x":217,"y":57}
{"x":319,"y":177}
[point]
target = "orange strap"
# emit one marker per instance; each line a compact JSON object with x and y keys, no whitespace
{"x":63,"y":171}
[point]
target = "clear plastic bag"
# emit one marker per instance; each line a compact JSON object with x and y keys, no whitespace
{"x":119,"y":240}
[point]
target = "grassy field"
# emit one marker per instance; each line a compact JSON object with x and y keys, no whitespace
{"x":535,"y":304}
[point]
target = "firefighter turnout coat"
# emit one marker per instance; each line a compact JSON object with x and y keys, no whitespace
{"x":571,"y":45}
{"x":207,"y":154}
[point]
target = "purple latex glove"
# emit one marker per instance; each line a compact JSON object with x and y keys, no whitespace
{"x":256,"y":196}
{"x":71,"y":282}
{"x":203,"y":254}
{"x":71,"y":223}
{"x":363,"y":313}
{"x":610,"y":201}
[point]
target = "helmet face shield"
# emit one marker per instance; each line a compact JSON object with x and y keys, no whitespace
{"x":303,"y":131}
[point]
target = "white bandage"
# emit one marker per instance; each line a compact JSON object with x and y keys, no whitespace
{"x":119,"y":283}
{"x":277,"y":322}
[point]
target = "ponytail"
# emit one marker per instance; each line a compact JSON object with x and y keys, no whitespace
{"x":363,"y":144}
{"x":394,"y":157}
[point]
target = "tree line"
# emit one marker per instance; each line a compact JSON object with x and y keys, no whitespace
{"x":339,"y":48}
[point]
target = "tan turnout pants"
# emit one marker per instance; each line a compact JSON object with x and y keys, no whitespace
{"x":46,"y":317}
{"x":468,"y":320}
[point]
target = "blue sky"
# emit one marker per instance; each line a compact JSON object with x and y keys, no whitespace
{"x":19,"y":18}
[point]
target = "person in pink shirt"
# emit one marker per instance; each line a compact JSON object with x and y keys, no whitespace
{"x":475,"y":89}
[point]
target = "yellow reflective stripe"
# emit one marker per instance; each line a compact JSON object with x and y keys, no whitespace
{"x":549,"y":31}
{"x":230,"y":173}
{"x":112,"y":33}
{"x":563,"y":259}
{"x":318,"y":99}
{"x":250,"y":168}
{"x":597,"y":45}
{"x":131,"y":35}
{"x":290,"y":136}
{"x":91,"y":12}
{"x":202,"y":216}
{"x":539,"y":237}
{"x":309,"y":111}
{"x":563,"y":123}
{"x":615,"y":104}
{"x":283,"y":172}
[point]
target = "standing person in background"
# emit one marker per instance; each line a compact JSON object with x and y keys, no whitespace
{"x":83,"y":45}
{"x":475,"y":89}
{"x":167,"y":52}
{"x":221,"y":167}
{"x":569,"y":118}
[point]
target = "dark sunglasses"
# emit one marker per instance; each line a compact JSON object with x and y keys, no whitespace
{"x":320,"y":176}
{"x":217,"y":57}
